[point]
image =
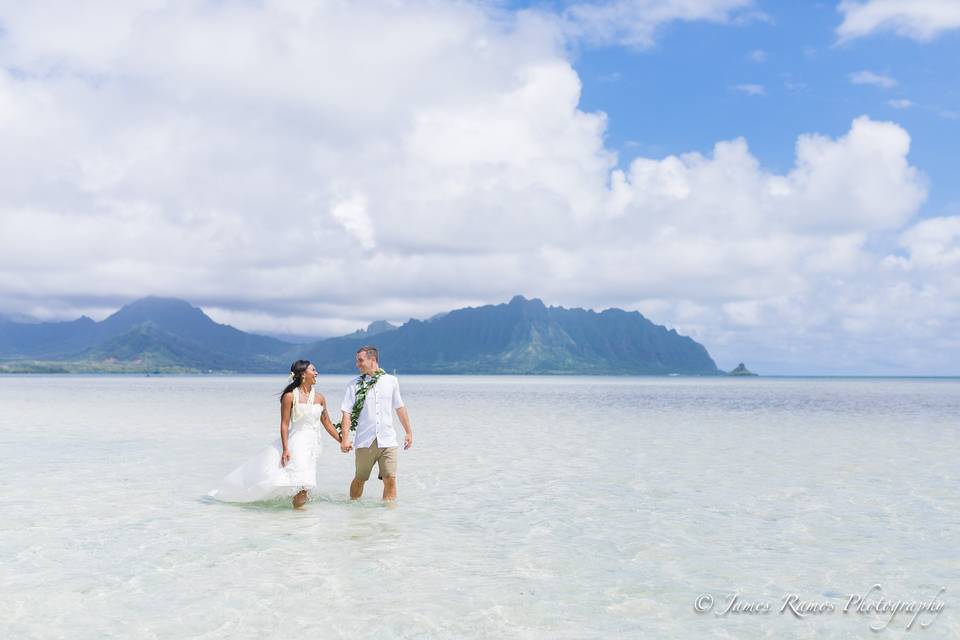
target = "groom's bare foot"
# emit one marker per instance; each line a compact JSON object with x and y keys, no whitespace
{"x":299,"y":500}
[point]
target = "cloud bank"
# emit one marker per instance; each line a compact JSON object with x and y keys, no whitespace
{"x":309,"y":167}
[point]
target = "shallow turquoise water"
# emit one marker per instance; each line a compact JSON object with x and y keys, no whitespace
{"x":529,"y":508}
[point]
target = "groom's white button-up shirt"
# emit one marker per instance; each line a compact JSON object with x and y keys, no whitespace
{"x":376,"y":418}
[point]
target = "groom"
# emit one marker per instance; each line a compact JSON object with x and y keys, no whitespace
{"x":368,"y":404}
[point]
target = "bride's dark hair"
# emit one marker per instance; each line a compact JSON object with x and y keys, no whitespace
{"x":297,"y":369}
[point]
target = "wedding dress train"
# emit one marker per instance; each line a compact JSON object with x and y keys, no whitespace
{"x":262,"y":477}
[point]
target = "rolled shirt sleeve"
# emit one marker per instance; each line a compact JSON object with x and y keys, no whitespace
{"x":397,"y":400}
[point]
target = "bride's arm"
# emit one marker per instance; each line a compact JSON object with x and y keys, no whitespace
{"x":286,"y":404}
{"x":325,"y":419}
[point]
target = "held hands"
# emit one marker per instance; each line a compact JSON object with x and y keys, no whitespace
{"x":345,"y":445}
{"x":285,"y":458}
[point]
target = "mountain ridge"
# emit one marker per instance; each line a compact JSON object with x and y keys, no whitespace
{"x":522,"y":336}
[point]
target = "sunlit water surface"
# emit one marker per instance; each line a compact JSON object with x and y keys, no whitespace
{"x":552,"y":507}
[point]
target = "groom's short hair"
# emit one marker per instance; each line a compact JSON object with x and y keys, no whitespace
{"x":371,"y":352}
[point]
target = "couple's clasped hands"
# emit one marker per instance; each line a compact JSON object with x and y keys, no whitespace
{"x":346,"y":446}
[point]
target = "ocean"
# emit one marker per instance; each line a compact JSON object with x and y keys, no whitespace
{"x":529,"y":507}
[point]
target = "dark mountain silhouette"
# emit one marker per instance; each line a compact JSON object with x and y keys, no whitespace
{"x":525,"y":336}
{"x":189,"y":323}
{"x":45,"y":339}
{"x":522,"y":336}
{"x":148,"y":334}
{"x":373,"y":329}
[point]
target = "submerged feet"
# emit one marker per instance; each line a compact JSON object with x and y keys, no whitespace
{"x":300,"y":499}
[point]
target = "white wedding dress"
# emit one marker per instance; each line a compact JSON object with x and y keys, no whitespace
{"x":262,"y":477}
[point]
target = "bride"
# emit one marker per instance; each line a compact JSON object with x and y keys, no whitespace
{"x":288,"y":467}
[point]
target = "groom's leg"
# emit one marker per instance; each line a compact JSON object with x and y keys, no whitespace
{"x":388,"y":472}
{"x":389,"y":488}
{"x":364,"y":460}
{"x":356,"y":489}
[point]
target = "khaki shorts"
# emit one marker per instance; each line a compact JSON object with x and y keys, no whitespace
{"x":385,"y":457}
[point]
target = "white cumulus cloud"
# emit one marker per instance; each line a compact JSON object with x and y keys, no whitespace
{"x":934,"y":243}
{"x":871,"y":78}
{"x":634,"y":23}
{"x":751,"y":89}
{"x":258,"y":158}
{"x":920,"y":20}
{"x":351,"y":213}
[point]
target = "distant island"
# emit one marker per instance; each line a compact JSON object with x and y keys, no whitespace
{"x":741,"y":370}
{"x":523,"y":336}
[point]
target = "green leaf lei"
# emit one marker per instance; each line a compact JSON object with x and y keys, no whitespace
{"x":362,"y":388}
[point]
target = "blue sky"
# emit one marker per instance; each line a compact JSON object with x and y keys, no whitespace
{"x":773,"y":179}
{"x":680,"y":95}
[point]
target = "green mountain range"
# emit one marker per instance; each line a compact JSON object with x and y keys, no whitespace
{"x":166,"y":335}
